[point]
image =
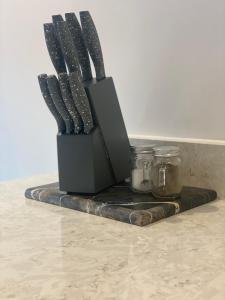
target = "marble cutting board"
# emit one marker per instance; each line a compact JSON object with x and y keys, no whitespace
{"x":120,"y":204}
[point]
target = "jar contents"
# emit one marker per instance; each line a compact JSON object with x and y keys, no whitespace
{"x":141,"y":173}
{"x":166,"y":172}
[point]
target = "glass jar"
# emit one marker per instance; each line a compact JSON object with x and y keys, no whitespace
{"x":141,"y":168}
{"x":166,"y":180}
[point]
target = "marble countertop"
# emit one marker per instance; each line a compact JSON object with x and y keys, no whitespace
{"x":52,"y":253}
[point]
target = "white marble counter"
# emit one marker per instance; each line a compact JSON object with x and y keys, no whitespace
{"x":52,"y":253}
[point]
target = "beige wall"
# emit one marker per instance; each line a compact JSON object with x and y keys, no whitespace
{"x":167,"y":58}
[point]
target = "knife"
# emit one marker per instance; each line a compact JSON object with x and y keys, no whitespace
{"x":55,"y":93}
{"x":81,"y":101}
{"x":93,"y":44}
{"x":54,"y":48}
{"x":68,"y":100}
{"x":42,"y":78}
{"x":68,"y":47}
{"x":78,"y":39}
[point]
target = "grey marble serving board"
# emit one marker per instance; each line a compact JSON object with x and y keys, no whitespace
{"x":121,"y":204}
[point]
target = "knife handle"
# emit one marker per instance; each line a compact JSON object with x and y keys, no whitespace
{"x":55,"y":93}
{"x":42,"y":78}
{"x":54,"y":48}
{"x":93,"y":43}
{"x":81,"y":101}
{"x":56,"y":18}
{"x":68,"y":47}
{"x":78,"y":39}
{"x":68,"y":100}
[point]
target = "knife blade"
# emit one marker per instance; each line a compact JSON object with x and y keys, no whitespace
{"x":93,"y":44}
{"x":78,"y":39}
{"x":68,"y":100}
{"x":81,"y":101}
{"x":42,"y":79}
{"x":68,"y":47}
{"x":54,"y":48}
{"x":55,"y":93}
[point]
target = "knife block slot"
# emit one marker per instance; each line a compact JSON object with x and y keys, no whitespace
{"x":83,"y":163}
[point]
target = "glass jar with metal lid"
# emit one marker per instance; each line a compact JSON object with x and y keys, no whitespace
{"x":141,"y":168}
{"x":166,"y":172}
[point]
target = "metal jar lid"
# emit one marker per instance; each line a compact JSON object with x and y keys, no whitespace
{"x":166,"y":151}
{"x":143,"y":149}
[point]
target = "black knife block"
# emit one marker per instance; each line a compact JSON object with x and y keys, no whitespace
{"x":93,"y":162}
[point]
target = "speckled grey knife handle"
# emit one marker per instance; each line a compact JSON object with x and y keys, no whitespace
{"x":93,"y":43}
{"x":54,"y":48}
{"x":56,"y":18}
{"x":42,"y":78}
{"x":55,"y":93}
{"x":81,"y":101}
{"x":78,"y":39}
{"x":68,"y":100}
{"x":68,"y":47}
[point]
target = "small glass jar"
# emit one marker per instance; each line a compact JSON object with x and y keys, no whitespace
{"x":166,"y":180}
{"x":141,"y":168}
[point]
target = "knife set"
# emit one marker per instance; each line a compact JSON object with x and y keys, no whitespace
{"x":92,"y":142}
